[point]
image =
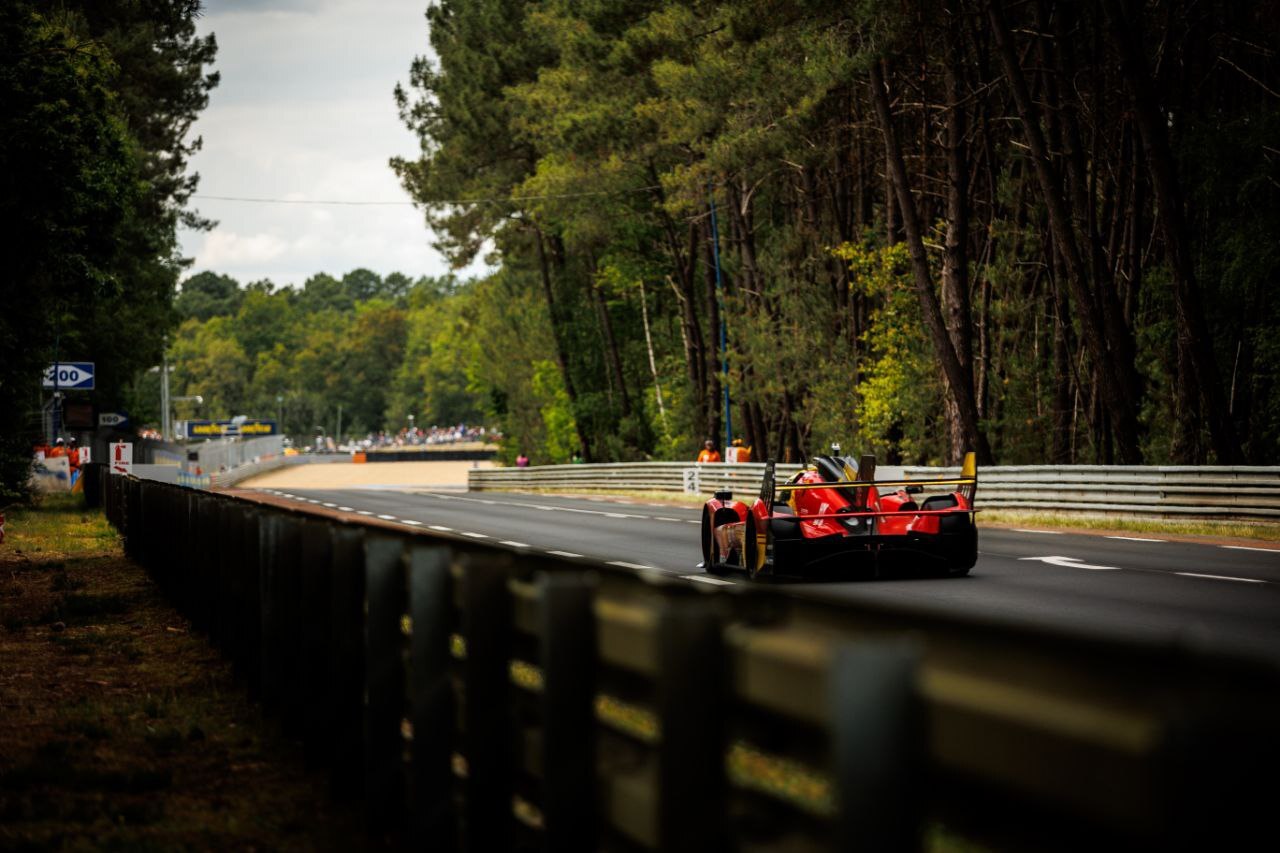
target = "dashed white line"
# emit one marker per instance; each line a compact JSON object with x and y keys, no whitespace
{"x":363,"y":512}
{"x":1135,"y":539}
{"x":410,"y":521}
{"x":708,"y":579}
{"x":1047,"y":532}
{"x":665,"y":518}
{"x":310,"y":501}
{"x":330,"y":506}
{"x":387,"y":517}
{"x":514,"y":544}
{"x":1248,"y":548}
{"x":1219,"y":577}
{"x":344,"y":509}
{"x":441,"y":528}
{"x":563,"y":554}
{"x":474,"y":535}
{"x":630,"y":565}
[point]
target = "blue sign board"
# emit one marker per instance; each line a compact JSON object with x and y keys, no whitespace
{"x":69,"y":376}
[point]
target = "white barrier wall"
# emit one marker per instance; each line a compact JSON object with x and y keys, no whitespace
{"x":1235,"y":492}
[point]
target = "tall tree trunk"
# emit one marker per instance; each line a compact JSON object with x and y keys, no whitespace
{"x":1110,"y":375}
{"x":562,"y":359}
{"x":712,"y":301}
{"x":955,"y":259}
{"x":1193,"y":331}
{"x":959,"y":381}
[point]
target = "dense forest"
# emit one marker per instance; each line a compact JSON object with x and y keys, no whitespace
{"x":1042,"y":230}
{"x":98,"y":98}
{"x":361,"y":353}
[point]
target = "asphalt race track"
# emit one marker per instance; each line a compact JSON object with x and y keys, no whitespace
{"x":1209,"y":596}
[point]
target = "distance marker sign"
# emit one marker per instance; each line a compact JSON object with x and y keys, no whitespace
{"x":69,"y":376}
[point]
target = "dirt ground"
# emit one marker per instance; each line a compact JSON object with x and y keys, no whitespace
{"x":119,"y":727}
{"x":346,"y":475}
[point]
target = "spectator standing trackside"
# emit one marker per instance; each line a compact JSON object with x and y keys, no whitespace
{"x":738,"y":453}
{"x":522,"y":461}
{"x":709,"y":452}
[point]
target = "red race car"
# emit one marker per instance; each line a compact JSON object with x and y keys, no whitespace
{"x":834,"y":516}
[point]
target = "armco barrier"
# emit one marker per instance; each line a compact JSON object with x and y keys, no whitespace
{"x":1245,"y":493}
{"x":480,"y":698}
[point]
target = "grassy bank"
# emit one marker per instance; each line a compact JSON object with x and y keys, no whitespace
{"x":119,"y":728}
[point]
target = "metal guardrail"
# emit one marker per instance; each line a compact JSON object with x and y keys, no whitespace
{"x":1247,"y":493}
{"x":568,"y":705}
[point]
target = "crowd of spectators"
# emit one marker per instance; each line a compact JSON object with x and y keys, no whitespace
{"x":418,"y":436}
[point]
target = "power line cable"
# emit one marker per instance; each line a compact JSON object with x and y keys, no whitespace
{"x":507,"y":200}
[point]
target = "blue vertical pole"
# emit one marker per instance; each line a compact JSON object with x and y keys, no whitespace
{"x":724,"y":347}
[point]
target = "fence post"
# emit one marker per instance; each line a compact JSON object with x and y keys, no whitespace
{"x":268,"y":596}
{"x":315,"y":629}
{"x":250,"y":617}
{"x":486,"y":626}
{"x":568,"y":650}
{"x":692,"y":708}
{"x":289,"y":620}
{"x":878,"y":747}
{"x":384,"y":682}
{"x":346,"y":663}
{"x":431,"y":702}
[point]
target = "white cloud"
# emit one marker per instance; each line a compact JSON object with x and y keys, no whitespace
{"x":305,"y":112}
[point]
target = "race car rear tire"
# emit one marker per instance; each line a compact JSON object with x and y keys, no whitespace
{"x":751,"y":551}
{"x":963,"y":553}
{"x":710,"y":551}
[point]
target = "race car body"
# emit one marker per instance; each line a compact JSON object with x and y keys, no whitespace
{"x":834,"y":516}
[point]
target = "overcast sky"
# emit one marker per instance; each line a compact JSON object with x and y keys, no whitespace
{"x":305,"y":112}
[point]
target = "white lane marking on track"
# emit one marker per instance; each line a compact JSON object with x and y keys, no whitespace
{"x":441,"y":528}
{"x":630,"y":565}
{"x":474,"y":535}
{"x":387,"y":517}
{"x":344,"y":509}
{"x":363,"y":512}
{"x":410,"y":521}
{"x":1219,"y":577}
{"x":1136,"y":539}
{"x":1048,"y":532}
{"x":664,"y":518}
{"x":1248,"y":548}
{"x":708,"y":579}
{"x":310,"y":501}
{"x":1072,"y":563}
{"x":548,"y":508}
{"x":330,"y":506}
{"x":693,"y":522}
{"x":563,"y":554}
{"x":514,"y":544}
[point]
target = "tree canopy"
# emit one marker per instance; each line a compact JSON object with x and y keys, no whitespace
{"x":99,"y":98}
{"x":1043,"y":231}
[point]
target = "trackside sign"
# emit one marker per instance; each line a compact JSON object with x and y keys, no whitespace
{"x":69,"y":376}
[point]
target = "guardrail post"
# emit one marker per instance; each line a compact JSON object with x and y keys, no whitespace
{"x":431,"y":703}
{"x":486,"y":626}
{"x":196,"y":597}
{"x":878,"y":747}
{"x":568,"y":651}
{"x":692,"y":708}
{"x":316,"y":625}
{"x":289,"y":618}
{"x":233,"y":520}
{"x":384,"y":682}
{"x":222,"y":555}
{"x":250,"y":616}
{"x":269,"y":597}
{"x":346,"y":663}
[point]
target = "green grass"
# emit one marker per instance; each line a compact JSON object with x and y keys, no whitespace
{"x":1265,"y":531}
{"x":58,"y":526}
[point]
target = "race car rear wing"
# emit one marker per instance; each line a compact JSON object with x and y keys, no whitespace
{"x":864,"y":478}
